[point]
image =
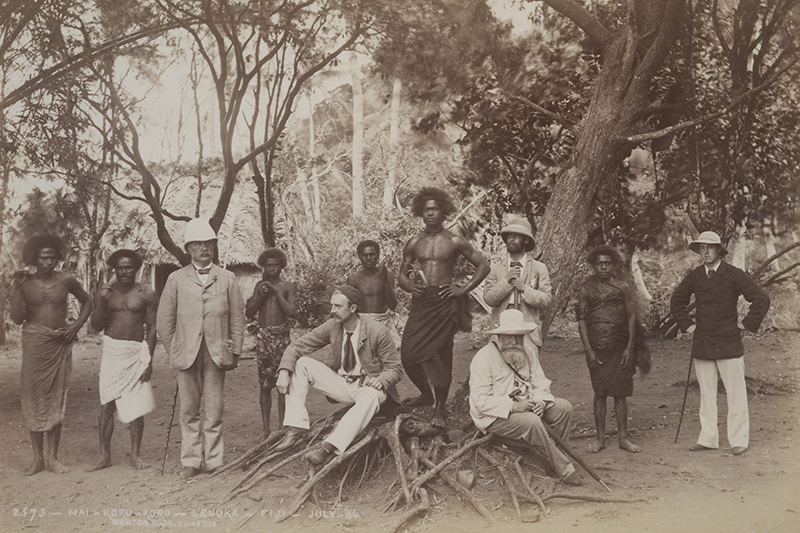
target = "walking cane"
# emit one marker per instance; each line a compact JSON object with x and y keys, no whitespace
{"x":566,"y":449}
{"x":685,"y":393}
{"x":169,"y":428}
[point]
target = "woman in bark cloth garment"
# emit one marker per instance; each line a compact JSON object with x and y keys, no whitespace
{"x":609,"y":331}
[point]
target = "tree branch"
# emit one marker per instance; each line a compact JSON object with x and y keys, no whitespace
{"x":546,"y":112}
{"x":763,"y":266}
{"x":774,"y":278}
{"x":711,"y":116}
{"x":578,"y":14}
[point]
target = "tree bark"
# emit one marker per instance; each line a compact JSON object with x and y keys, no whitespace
{"x":358,"y":137}
{"x":394,"y":148}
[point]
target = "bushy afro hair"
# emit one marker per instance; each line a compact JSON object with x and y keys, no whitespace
{"x":133,"y":255}
{"x":610,"y":251}
{"x":442,"y":199}
{"x":34,"y":245}
{"x":272,"y":253}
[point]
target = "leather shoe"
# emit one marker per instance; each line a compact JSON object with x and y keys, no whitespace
{"x":574,"y":479}
{"x":699,"y":448}
{"x":292,"y":436}
{"x":318,"y":456}
{"x":739,"y":450}
{"x":189,"y":472}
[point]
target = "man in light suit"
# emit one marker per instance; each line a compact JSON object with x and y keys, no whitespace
{"x":520,"y":282}
{"x":361,"y":369}
{"x":201,"y":324}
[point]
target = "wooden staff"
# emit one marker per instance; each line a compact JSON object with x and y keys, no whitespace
{"x":683,"y":406}
{"x":566,"y":449}
{"x":169,"y":428}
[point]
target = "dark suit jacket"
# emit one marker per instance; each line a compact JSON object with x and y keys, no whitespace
{"x":717,"y":334}
{"x":376,"y":351}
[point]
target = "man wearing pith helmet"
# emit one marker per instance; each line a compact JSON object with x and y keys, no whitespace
{"x":717,"y":344}
{"x":520,"y":282}
{"x":201,"y":324}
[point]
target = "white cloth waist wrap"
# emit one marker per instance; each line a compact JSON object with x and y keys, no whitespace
{"x":121,"y":366}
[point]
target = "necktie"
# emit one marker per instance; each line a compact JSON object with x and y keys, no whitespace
{"x":711,"y":274}
{"x":348,"y":356}
{"x":515,"y":297}
{"x":516,"y":264}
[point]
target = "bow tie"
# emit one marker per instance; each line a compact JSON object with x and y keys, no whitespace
{"x":203,"y":271}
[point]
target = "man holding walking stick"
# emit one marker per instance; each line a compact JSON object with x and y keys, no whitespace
{"x":717,"y":343}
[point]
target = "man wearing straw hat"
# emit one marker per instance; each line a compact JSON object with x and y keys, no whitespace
{"x":717,"y":344}
{"x":519,"y":282}
{"x":509,"y":395}
{"x":201,"y":324}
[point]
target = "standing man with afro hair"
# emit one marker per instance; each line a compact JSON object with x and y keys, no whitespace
{"x":273,"y":300}
{"x":39,"y":303}
{"x":439,"y":307}
{"x":126,"y":311}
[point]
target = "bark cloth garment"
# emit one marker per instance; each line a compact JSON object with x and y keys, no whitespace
{"x":46,"y":366}
{"x":121,"y":366}
{"x":271,"y":341}
{"x":607,"y":323}
{"x":428,"y":336}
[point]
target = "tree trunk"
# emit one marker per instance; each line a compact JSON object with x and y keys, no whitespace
{"x":358,"y":138}
{"x":769,"y":242}
{"x":738,"y":247}
{"x":631,"y":59}
{"x":394,"y":148}
{"x":312,"y":163}
{"x":641,"y":294}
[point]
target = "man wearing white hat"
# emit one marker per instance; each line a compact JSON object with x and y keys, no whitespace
{"x":717,"y":343}
{"x":201,"y":324}
{"x":509,"y":395}
{"x":519,"y":282}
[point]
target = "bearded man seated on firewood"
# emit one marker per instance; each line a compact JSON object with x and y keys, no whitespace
{"x":509,"y":395}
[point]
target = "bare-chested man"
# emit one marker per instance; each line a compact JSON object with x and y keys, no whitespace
{"x":376,"y":285}
{"x":438,"y":306}
{"x":274,"y":301}
{"x":39,"y":303}
{"x":123,"y":310}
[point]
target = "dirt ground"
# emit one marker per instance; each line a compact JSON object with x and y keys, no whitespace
{"x":678,"y":490}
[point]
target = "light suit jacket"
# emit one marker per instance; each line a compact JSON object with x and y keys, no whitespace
{"x":536,"y":297}
{"x":189,"y":311}
{"x":376,"y":351}
{"x":491,"y":380}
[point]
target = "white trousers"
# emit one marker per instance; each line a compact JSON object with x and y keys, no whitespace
{"x":365,"y":400}
{"x":732,"y":373}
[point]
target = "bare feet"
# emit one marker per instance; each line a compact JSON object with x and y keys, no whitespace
{"x":438,"y":420}
{"x":104,"y":462}
{"x":418,"y":401}
{"x":628,"y":446}
{"x":55,"y":466}
{"x":597,"y":446}
{"x":263,"y":436}
{"x":137,"y":463}
{"x":34,"y":468}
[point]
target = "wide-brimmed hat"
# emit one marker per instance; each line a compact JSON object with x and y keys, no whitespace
{"x":520,"y":226}
{"x":707,"y":237}
{"x":198,"y":230}
{"x":512,"y":323}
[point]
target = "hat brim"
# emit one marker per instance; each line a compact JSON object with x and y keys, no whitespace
{"x":529,"y":245}
{"x":695,"y":246}
{"x":529,"y":327}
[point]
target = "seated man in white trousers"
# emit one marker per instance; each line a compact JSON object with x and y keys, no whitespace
{"x":361,"y":368}
{"x":509,"y":395}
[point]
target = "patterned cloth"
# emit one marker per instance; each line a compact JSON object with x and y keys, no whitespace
{"x":271,"y":342}
{"x":121,"y":366}
{"x":46,"y":366}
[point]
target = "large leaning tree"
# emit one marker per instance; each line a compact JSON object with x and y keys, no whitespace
{"x":626,"y":100}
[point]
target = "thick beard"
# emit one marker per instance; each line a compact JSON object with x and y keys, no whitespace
{"x":517,"y":358}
